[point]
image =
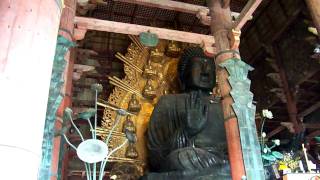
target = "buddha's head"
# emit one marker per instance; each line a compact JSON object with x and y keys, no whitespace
{"x":196,"y":70}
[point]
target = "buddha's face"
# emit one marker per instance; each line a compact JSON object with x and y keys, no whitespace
{"x":200,"y":74}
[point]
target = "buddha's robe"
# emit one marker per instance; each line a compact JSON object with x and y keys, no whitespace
{"x":175,"y":154}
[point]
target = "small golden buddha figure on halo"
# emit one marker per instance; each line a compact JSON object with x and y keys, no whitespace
{"x":134,"y":105}
{"x":156,"y":56}
{"x":149,"y":71}
{"x":131,"y":151}
{"x":149,"y":91}
{"x":129,"y":125}
{"x":173,"y":49}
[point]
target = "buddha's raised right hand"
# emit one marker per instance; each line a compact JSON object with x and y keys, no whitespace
{"x":196,"y":114}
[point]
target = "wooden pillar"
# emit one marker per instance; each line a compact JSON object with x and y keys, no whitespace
{"x":290,"y":97}
{"x":28,"y":33}
{"x":66,"y":30}
{"x":221,"y":25}
{"x":314,"y":9}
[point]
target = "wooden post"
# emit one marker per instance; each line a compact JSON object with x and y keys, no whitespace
{"x":28,"y":33}
{"x":221,"y":25}
{"x":314,"y":9}
{"x":290,"y":97}
{"x":66,"y":30}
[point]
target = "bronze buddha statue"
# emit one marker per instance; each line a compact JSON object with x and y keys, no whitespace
{"x":186,"y":135}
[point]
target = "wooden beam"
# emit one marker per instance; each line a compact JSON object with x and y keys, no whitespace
{"x":306,"y":111}
{"x":279,"y":32}
{"x":310,"y":109}
{"x":246,"y":14}
{"x":200,"y":11}
{"x":275,"y":131}
{"x":314,"y":9}
{"x":313,"y":134}
{"x":305,"y":78}
{"x":304,"y":125}
{"x":311,"y":125}
{"x":126,"y":28}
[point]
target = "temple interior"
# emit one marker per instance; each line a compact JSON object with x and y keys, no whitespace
{"x":160,"y":89}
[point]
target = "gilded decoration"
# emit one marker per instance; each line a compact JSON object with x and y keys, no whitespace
{"x":149,"y":74}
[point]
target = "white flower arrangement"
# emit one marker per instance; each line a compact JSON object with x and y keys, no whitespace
{"x":276,"y":142}
{"x":267,"y":114}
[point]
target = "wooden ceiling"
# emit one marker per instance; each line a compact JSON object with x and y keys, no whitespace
{"x":282,"y":25}
{"x":106,"y":44}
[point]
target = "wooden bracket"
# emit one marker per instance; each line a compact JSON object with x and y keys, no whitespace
{"x":80,"y":31}
{"x":234,"y":37}
{"x":202,"y":15}
{"x":208,"y":48}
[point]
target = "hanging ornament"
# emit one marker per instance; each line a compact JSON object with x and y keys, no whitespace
{"x":148,"y":39}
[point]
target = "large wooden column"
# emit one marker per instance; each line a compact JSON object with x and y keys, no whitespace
{"x":28,"y":33}
{"x":66,"y":30}
{"x":314,"y":9}
{"x":221,"y":25}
